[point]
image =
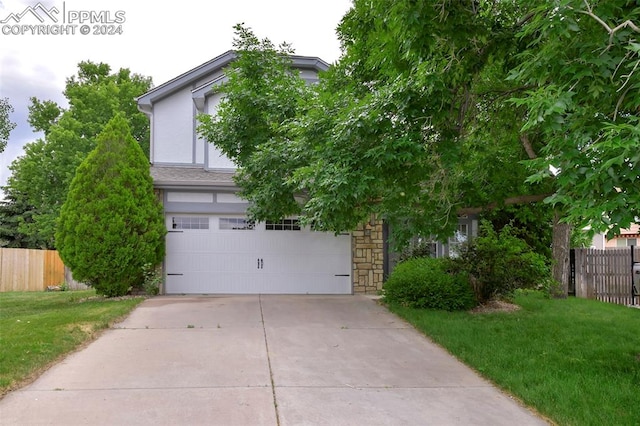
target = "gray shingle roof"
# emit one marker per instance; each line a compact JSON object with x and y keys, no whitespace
{"x":190,"y":176}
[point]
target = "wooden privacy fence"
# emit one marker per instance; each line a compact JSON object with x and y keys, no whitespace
{"x":29,"y":270}
{"x":605,"y":275}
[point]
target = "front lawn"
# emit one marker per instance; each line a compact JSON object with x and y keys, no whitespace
{"x":37,"y":329}
{"x":576,"y":361}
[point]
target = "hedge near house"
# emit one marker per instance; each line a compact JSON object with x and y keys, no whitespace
{"x":498,"y":262}
{"x":111,"y":224}
{"x":426,"y":282}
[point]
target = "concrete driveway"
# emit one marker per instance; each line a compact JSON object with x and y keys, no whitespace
{"x":262,"y":360}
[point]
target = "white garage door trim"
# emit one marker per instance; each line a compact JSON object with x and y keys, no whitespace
{"x":222,"y":254}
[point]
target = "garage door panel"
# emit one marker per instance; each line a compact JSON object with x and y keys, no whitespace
{"x":210,"y":261}
{"x":199,"y":282}
{"x":185,"y":262}
{"x":202,"y":282}
{"x":311,"y":242}
{"x":301,"y":263}
{"x":207,"y":242}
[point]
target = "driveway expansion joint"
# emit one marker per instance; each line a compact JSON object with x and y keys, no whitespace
{"x":266,"y":344}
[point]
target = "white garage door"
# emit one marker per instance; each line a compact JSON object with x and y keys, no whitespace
{"x":228,"y":255}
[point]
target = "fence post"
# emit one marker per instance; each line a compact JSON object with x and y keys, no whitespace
{"x":633,"y":293}
{"x":590,"y":268}
{"x":578,"y":276}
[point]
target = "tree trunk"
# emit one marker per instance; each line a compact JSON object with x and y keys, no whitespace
{"x":560,"y":248}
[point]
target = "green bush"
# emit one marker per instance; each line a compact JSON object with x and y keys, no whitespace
{"x":152,"y":279}
{"x":498,"y":263}
{"x":427,"y":283}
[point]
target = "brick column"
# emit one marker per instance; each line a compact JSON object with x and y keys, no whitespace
{"x":368,"y":257}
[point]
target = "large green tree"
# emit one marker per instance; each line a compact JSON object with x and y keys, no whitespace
{"x":357,"y":144}
{"x":250,"y":126}
{"x":12,"y":215}
{"x":436,"y":108}
{"x":6,"y":125}
{"x":581,"y":70}
{"x":111,"y":223}
{"x":40,"y":178}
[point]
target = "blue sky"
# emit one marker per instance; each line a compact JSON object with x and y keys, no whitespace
{"x":157,"y":41}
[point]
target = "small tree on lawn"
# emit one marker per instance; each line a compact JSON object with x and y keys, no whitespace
{"x":111,"y":224}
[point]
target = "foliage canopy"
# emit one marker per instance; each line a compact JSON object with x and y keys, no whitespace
{"x":6,"y":125}
{"x":40,"y":178}
{"x":436,"y":107}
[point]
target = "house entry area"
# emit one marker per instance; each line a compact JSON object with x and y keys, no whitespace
{"x":227,"y":254}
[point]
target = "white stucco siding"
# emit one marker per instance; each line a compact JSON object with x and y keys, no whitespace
{"x":173,"y":129}
{"x":212,"y":103}
{"x":308,"y":74}
{"x":200,"y":147}
{"x":215,"y":158}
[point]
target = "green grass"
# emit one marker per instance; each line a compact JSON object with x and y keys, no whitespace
{"x":576,"y":361}
{"x":37,"y":329}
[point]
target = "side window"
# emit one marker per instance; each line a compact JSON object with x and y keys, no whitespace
{"x":460,"y":237}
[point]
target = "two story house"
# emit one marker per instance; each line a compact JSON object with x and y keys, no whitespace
{"x":212,"y":248}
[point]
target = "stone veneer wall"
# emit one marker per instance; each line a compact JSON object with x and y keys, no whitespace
{"x":368,"y":257}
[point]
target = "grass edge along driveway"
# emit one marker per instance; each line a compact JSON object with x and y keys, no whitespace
{"x":575,"y":361}
{"x":38,"y":328}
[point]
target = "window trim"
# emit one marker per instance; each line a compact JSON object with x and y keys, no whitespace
{"x":456,"y":241}
{"x":189,"y":222}
{"x":283,"y":225}
{"x":241,"y":224}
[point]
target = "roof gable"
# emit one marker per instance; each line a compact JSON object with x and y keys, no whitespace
{"x":216,"y":64}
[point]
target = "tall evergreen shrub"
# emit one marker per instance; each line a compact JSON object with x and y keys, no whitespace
{"x":111,"y":224}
